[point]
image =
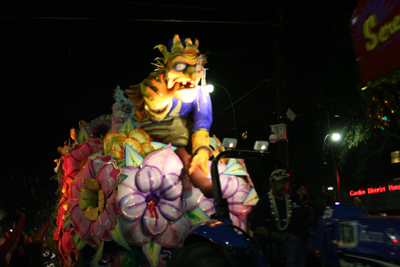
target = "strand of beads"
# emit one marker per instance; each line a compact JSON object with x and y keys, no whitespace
{"x":275,"y":213}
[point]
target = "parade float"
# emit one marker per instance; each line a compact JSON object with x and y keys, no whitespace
{"x":133,"y":183}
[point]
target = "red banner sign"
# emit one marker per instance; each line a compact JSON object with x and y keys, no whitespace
{"x":375,"y":29}
{"x":375,"y":190}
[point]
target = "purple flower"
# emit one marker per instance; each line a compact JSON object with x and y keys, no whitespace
{"x":150,"y":200}
{"x":98,"y":127}
{"x":234,"y":189}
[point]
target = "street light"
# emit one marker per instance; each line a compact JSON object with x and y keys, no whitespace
{"x":210,"y":88}
{"x":335,"y":137}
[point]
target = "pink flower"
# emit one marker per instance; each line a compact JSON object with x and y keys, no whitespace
{"x":151,"y":204}
{"x":94,"y":212}
{"x":77,"y":157}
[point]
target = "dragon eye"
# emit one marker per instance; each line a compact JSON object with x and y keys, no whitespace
{"x":180,"y":66}
{"x":127,"y":109}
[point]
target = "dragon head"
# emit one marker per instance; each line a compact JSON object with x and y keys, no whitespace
{"x":184,"y":65}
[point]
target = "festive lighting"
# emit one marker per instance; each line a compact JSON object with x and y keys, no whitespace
{"x":336,"y":137}
{"x":210,"y":88}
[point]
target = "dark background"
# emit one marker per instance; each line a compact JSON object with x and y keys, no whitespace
{"x":62,"y":60}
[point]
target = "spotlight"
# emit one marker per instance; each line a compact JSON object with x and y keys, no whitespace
{"x":261,"y":145}
{"x":229,"y":143}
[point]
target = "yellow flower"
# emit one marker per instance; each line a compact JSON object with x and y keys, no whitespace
{"x":138,"y":139}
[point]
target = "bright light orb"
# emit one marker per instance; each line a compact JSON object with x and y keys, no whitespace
{"x":336,"y":137}
{"x":210,"y":88}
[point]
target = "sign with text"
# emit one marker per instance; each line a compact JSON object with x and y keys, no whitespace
{"x":375,"y":30}
{"x":375,"y":190}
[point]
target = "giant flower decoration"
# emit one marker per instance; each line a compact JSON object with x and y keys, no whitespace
{"x":77,"y":157}
{"x":138,"y":139}
{"x":150,"y":199}
{"x":94,"y":211}
{"x":234,"y":188}
{"x":98,"y":127}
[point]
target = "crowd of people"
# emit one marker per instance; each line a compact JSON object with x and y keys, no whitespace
{"x":19,"y":249}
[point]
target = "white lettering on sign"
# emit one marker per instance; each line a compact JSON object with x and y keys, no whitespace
{"x":348,"y":234}
{"x":371,"y":236}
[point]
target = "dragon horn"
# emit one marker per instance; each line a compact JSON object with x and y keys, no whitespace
{"x":188,"y":42}
{"x":177,"y":45}
{"x":163,"y":49}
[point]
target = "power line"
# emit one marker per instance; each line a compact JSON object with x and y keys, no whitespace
{"x":144,"y":20}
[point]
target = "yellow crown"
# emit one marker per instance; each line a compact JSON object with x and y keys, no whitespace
{"x":177,"y":49}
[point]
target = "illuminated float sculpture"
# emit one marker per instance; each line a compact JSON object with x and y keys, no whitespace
{"x":125,"y":189}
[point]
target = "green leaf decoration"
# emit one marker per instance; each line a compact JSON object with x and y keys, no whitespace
{"x":158,"y":146}
{"x":83,"y":135}
{"x":126,"y":126}
{"x":121,"y":178}
{"x":118,"y":236}
{"x":121,"y":163}
{"x":235,"y":169}
{"x":132,"y":259}
{"x":99,"y":153}
{"x":98,"y":255}
{"x":152,"y":251}
{"x":79,"y":243}
{"x":251,"y":199}
{"x":197,"y":216}
{"x":67,"y":219}
{"x":232,"y":161}
{"x":132,"y":158}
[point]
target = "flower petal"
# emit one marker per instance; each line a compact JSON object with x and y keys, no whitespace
{"x":166,"y":160}
{"x":98,"y":162}
{"x":112,"y":206}
{"x":102,"y":226}
{"x":207,"y":205}
{"x":132,"y":206}
{"x":175,"y":233}
{"x":171,"y":188}
{"x":96,"y":145}
{"x":236,"y":203}
{"x":107,"y":176}
{"x":149,"y":179}
{"x":229,"y":185}
{"x":71,"y":166}
{"x":81,"y":152}
{"x":81,"y":224}
{"x":192,"y":198}
{"x":134,"y":232}
{"x":172,"y":210}
{"x":128,"y":185}
{"x":152,"y":224}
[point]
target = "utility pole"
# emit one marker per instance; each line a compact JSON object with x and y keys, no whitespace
{"x":283,"y":146}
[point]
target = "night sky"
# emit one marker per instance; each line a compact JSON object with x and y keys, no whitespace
{"x":61,"y":62}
